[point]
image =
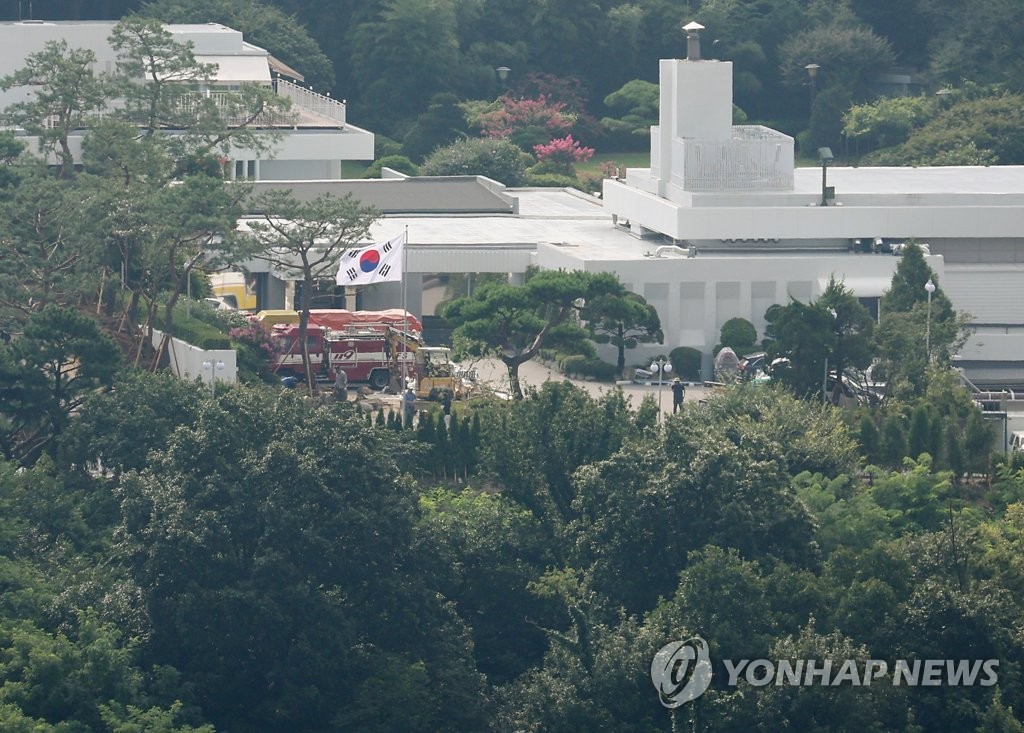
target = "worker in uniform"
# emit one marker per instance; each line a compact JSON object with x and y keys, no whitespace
{"x":341,"y":386}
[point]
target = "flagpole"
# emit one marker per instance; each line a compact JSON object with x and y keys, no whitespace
{"x":405,"y":312}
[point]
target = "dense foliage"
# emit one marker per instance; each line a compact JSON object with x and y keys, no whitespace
{"x":580,"y":63}
{"x":173,"y":560}
{"x":258,"y":560}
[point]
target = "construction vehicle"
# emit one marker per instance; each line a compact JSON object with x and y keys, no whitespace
{"x":340,"y":319}
{"x":432,"y":367}
{"x":234,"y":290}
{"x":377,"y":354}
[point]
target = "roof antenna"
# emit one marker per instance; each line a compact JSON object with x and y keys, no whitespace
{"x":693,"y":29}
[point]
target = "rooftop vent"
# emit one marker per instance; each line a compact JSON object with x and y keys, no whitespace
{"x":693,"y":30}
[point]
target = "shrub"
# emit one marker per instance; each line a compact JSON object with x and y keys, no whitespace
{"x":190,"y":328}
{"x":562,"y":154}
{"x":550,"y":180}
{"x":739,"y":335}
{"x":399,"y":163}
{"x":580,"y":365}
{"x":442,"y":123}
{"x":596,"y":368}
{"x":526,"y":122}
{"x":255,"y":350}
{"x":385,"y":146}
{"x":686,"y":361}
{"x":500,"y":160}
{"x":570,"y":363}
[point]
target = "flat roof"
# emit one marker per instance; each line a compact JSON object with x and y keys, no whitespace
{"x":447,"y":196}
{"x":996,"y":179}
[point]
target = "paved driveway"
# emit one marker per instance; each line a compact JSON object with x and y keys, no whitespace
{"x":534,"y":373}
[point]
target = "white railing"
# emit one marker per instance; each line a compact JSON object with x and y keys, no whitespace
{"x":311,"y":101}
{"x":234,"y":115}
{"x":756,"y":158}
{"x":231,"y":112}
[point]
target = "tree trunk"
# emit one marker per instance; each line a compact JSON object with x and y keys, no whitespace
{"x":512,"y":364}
{"x":307,"y":299}
{"x":621,"y":363}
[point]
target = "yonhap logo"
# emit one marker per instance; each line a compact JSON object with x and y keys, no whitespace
{"x":681,"y":671}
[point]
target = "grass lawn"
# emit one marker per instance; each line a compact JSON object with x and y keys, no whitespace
{"x":353,"y":168}
{"x":623,"y":160}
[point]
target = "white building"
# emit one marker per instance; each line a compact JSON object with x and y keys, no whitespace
{"x":723,"y":225}
{"x":758,"y":231}
{"x":314,"y":140}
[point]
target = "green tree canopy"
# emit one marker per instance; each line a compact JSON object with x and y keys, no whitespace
{"x":305,"y":238}
{"x":910,"y":327}
{"x":440,"y":124}
{"x":273,"y":545}
{"x":624,"y":321}
{"x":262,"y":23}
{"x":835,"y":330}
{"x":513,"y":322}
{"x":739,"y":335}
{"x":45,"y":374}
{"x":500,"y":160}
{"x":65,"y":92}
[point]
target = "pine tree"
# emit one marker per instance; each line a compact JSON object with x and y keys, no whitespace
{"x":919,"y":432}
{"x":977,"y":442}
{"x":473,"y":452}
{"x":458,"y":434}
{"x":442,"y":452}
{"x":869,"y":439}
{"x":954,"y":451}
{"x":894,"y":442}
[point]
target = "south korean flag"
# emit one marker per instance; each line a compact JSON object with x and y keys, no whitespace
{"x":377,"y":263}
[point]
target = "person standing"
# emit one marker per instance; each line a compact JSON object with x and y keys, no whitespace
{"x":678,"y":393}
{"x":408,"y":406}
{"x":341,"y":386}
{"x":446,"y":407}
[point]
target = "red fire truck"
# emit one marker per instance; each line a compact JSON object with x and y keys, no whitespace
{"x":372,"y":353}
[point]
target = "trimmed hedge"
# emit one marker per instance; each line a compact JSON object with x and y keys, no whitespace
{"x":193,"y":330}
{"x":686,"y":362}
{"x":550,"y":180}
{"x":586,"y":366}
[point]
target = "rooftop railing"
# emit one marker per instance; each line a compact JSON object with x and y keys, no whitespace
{"x":310,"y":101}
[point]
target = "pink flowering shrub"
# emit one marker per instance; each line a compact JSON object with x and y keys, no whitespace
{"x":562,"y":153}
{"x":526,"y":121}
{"x":255,"y":349}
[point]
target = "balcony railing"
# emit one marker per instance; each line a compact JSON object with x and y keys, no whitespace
{"x":310,"y":101}
{"x":233,"y":115}
{"x":308,"y":107}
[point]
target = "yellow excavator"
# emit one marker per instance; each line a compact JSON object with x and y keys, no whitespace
{"x":430,"y":366}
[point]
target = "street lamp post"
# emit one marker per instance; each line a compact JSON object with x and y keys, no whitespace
{"x":826,"y":157}
{"x":660,"y":366}
{"x":930,"y":287}
{"x":812,"y":73}
{"x":502,"y":72}
{"x":214,"y":367}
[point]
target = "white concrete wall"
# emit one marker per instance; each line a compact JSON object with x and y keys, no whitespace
{"x":187,"y":361}
{"x":699,"y":99}
{"x":352,"y":143}
{"x":299,"y":170}
{"x":696,"y":296}
{"x":760,"y":216}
